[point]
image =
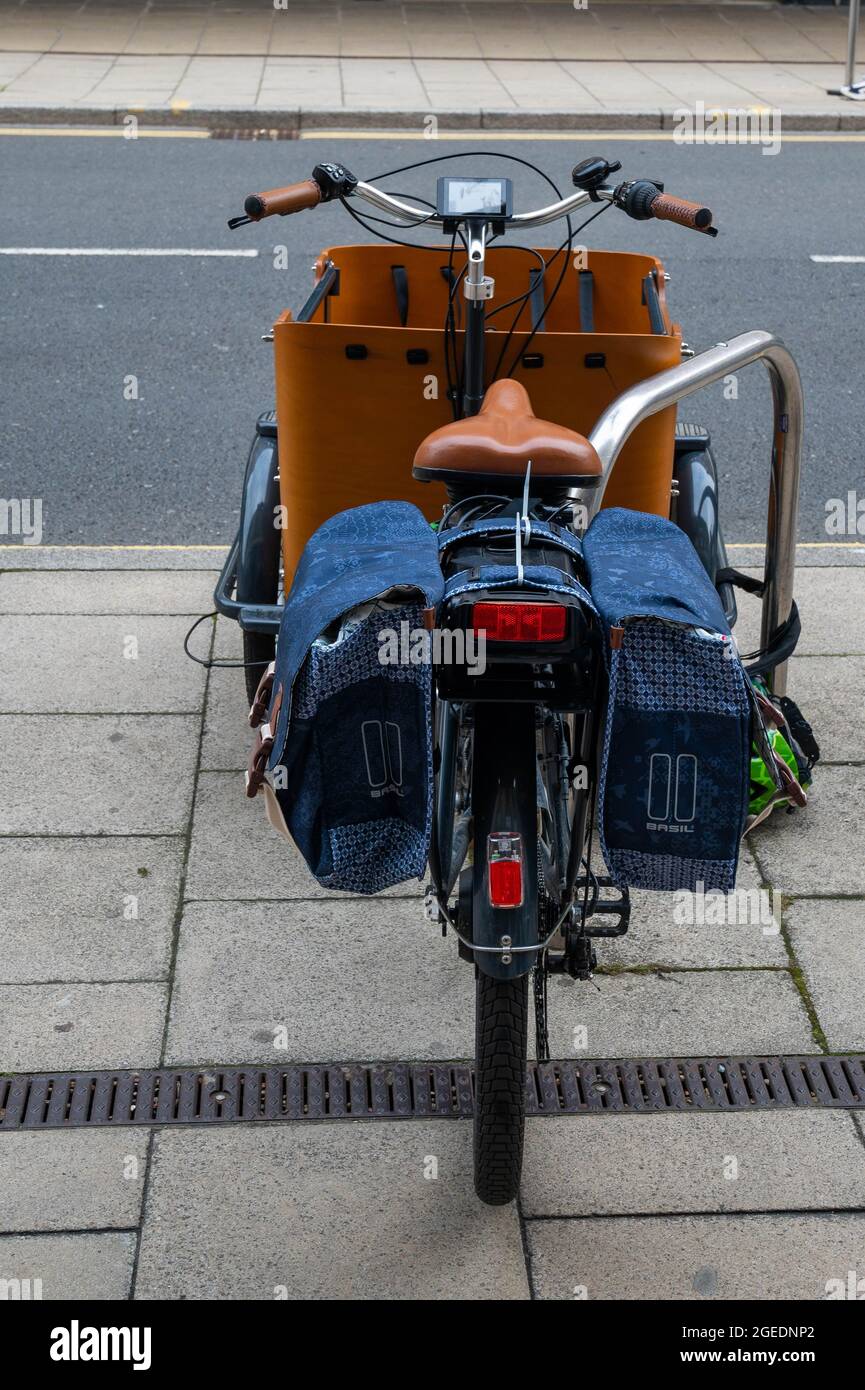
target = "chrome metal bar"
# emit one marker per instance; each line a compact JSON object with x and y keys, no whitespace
{"x":556,"y":210}
{"x":385,"y":203}
{"x":658,"y":392}
{"x":410,"y":212}
{"x":852,"y":32}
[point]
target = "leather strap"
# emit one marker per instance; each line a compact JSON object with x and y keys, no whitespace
{"x":258,"y":708}
{"x":261,"y":751}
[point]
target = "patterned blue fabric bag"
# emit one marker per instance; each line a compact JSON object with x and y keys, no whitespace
{"x":674,"y":777}
{"x":345,"y":755}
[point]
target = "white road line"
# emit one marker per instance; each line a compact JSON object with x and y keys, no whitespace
{"x":120,"y":251}
{"x":838,"y":260}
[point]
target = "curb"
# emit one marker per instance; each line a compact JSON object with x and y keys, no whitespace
{"x":291,"y":124}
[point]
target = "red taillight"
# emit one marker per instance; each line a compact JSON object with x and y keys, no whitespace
{"x":505,"y":869}
{"x":521,"y":622}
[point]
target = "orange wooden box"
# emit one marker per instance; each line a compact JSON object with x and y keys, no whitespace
{"x":349,"y":426}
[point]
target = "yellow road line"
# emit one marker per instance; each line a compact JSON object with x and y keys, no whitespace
{"x":196,"y":133}
{"x":824,"y":137}
{"x":142,"y":133}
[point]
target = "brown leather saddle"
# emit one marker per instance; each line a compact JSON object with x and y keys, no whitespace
{"x":500,"y":440}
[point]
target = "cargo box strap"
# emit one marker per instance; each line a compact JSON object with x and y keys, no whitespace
{"x":653,"y":304}
{"x":541,"y":578}
{"x":496,"y":528}
{"x":783,"y":641}
{"x":399,"y":276}
{"x":587,"y":301}
{"x":536,"y":297}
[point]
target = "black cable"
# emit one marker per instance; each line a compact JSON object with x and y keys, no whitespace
{"x":523,"y":299}
{"x":525,"y":347}
{"x":464,"y":502}
{"x":394,"y":241}
{"x":469,"y":154}
{"x":525,"y":294}
{"x":451,"y":334}
{"x":418,"y":222}
{"x":210,"y":663}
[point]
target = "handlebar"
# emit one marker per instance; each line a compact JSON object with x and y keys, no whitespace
{"x":293,"y":198}
{"x":667,"y":208}
{"x":639,"y":198}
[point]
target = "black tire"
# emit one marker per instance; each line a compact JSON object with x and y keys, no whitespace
{"x":259,"y":649}
{"x":501,"y":1039}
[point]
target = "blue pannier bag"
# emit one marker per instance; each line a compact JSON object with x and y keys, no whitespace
{"x":674,"y":776}
{"x":345,"y":755}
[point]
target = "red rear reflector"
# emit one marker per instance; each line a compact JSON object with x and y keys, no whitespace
{"x":505,"y":869}
{"x":521,"y":622}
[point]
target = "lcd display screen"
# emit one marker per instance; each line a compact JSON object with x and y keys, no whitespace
{"x":461,"y":197}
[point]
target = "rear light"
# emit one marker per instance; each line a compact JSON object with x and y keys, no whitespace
{"x":521,"y":622}
{"x":505,"y":869}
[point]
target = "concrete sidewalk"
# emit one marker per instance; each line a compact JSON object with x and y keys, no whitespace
{"x":155,"y":918}
{"x":537,"y":64}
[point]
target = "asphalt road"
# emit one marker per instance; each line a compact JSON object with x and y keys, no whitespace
{"x":167,"y":468}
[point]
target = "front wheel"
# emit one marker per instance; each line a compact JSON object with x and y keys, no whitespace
{"x":501,"y":1039}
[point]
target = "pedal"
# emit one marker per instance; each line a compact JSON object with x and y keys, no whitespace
{"x":618,"y":906}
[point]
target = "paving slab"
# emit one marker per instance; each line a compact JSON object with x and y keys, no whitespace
{"x":93,"y":909}
{"x":236,"y":853}
{"x":228,"y":739}
{"x":166,"y":558}
{"x":684,"y":1013}
{"x":672,"y":928}
{"x":70,"y":1181}
{"x":86,"y":591}
{"x":70,"y":1027}
{"x":830,"y":691}
{"x":820,"y":849}
{"x":96,"y":775}
{"x":826,"y":935}
{"x":641,"y":1164}
{"x":72,"y":1267}
{"x":317,"y":981}
{"x":80,"y":665}
{"x":832,"y":608}
{"x":332,"y":1212}
{"x":695,"y":1257}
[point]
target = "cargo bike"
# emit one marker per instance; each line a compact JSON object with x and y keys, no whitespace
{"x":515,"y":408}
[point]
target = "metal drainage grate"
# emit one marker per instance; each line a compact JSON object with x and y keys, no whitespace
{"x":416,"y":1091}
{"x":255,"y":133}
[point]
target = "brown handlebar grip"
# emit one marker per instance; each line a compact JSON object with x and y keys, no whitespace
{"x":667,"y":208}
{"x":294,"y":198}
